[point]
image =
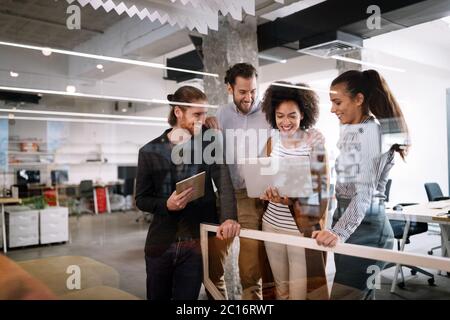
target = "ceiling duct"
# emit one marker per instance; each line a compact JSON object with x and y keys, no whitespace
{"x":332,"y":44}
{"x":315,"y":24}
{"x":192,"y":60}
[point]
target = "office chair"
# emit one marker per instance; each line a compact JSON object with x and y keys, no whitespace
{"x":414,"y":228}
{"x":434,"y":193}
{"x":86,"y":191}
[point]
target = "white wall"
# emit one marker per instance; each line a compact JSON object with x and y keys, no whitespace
{"x":119,"y":144}
{"x":421,"y":91}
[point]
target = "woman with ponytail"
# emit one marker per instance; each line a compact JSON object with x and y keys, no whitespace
{"x":363,"y":103}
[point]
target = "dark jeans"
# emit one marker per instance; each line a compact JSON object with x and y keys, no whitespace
{"x":176,"y":274}
{"x":352,"y":273}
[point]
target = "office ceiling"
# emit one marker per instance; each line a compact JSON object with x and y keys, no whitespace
{"x":319,"y":23}
{"x":43,"y":23}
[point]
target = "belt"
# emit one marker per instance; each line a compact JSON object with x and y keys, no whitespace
{"x":183,"y":239}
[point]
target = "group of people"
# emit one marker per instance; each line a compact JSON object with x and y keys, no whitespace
{"x":361,"y":100}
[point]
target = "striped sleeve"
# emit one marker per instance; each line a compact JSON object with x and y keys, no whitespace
{"x":365,"y":183}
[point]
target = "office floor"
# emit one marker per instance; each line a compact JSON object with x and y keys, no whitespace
{"x":118,"y":240}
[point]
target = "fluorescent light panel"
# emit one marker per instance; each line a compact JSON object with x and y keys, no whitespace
{"x":369,"y":64}
{"x":300,"y":87}
{"x":84,"y":115}
{"x":103,"y":97}
{"x":46,"y":51}
{"x":12,"y":117}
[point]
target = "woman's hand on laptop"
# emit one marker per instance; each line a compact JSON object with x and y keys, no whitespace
{"x":228,"y":230}
{"x":271,"y":194}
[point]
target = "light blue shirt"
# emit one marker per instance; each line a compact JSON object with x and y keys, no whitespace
{"x":245,"y":130}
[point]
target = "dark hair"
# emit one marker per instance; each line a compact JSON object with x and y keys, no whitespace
{"x":307,"y":101}
{"x":185,"y":94}
{"x":244,"y":70}
{"x":378,"y":100}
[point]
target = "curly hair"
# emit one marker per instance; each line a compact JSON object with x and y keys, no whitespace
{"x":306,"y":100}
{"x":244,"y":70}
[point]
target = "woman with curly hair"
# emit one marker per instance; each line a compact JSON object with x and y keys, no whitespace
{"x":298,"y":273}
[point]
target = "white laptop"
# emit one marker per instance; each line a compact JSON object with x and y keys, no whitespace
{"x":290,"y":175}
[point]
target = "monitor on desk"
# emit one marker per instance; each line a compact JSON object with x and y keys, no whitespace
{"x":28,"y":176}
{"x":59,"y":176}
{"x":126,"y":172}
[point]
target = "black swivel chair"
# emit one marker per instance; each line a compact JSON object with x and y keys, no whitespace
{"x":434,"y":193}
{"x":86,"y":191}
{"x":414,"y":228}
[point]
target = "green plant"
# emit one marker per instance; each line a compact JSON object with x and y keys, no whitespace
{"x":37,"y":202}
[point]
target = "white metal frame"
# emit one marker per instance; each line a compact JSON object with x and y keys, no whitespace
{"x":400,"y":258}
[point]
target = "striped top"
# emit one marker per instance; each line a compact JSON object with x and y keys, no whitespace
{"x":362,"y":173}
{"x":278,"y":215}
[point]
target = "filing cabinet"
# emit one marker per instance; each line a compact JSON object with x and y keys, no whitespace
{"x":26,"y":227}
{"x":22,"y":226}
{"x":54,"y":225}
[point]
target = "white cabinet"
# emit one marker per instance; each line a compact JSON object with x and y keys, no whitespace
{"x":22,"y":226}
{"x":54,"y":225}
{"x":26,"y":227}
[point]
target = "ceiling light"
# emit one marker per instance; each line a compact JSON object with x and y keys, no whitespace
{"x":71,"y":89}
{"x":84,"y":115}
{"x":100,"y":67}
{"x":104,"y":58}
{"x":270,"y":58}
{"x":369,"y":64}
{"x":124,"y":109}
{"x":103,"y":97}
{"x":46,"y":51}
{"x":11,"y":116}
{"x":13,"y":74}
{"x":301,"y":87}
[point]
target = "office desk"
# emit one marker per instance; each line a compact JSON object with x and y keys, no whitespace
{"x":4,"y":201}
{"x":431,"y":212}
{"x":96,"y":185}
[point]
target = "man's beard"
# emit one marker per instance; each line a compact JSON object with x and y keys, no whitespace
{"x":184,"y":125}
{"x":190,"y":127}
{"x":239,"y":106}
